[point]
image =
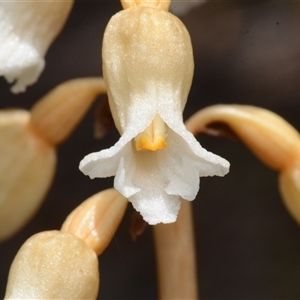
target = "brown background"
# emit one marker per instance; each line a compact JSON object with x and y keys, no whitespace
{"x":248,"y":247}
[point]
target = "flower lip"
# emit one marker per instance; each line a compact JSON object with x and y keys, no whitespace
{"x":154,"y":181}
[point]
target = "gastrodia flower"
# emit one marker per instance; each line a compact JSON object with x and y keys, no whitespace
{"x":148,"y":68}
{"x":27,"y":28}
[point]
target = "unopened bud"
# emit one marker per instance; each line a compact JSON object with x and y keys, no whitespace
{"x":53,"y":265}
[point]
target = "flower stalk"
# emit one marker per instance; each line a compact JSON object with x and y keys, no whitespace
{"x":176,"y":257}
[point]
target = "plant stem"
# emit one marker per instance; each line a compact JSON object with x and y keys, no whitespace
{"x":175,"y":255}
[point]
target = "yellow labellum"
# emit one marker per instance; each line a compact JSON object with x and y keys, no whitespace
{"x":153,"y":137}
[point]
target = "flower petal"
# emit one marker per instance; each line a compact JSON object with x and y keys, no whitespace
{"x":123,"y":180}
{"x":26,"y":31}
{"x":207,"y":163}
{"x":157,"y":208}
{"x":182,"y":174}
{"x":106,"y":162}
{"x":151,"y":175}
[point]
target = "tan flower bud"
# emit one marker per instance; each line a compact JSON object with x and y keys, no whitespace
{"x":96,"y":220}
{"x":27,"y":165}
{"x":53,"y":265}
{"x":274,"y":141}
{"x":27,"y":148}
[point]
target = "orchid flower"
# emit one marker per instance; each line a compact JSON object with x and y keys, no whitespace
{"x":148,"y":69}
{"x":27,"y":28}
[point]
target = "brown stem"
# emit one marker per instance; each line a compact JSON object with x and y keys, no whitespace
{"x":176,"y":258}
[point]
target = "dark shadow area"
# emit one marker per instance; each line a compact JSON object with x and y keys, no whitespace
{"x":247,"y":244}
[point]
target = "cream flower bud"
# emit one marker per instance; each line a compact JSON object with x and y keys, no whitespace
{"x":27,"y":28}
{"x":27,"y":165}
{"x":27,"y":148}
{"x":148,"y":69}
{"x":274,"y":141}
{"x":96,"y":220}
{"x":267,"y":135}
{"x":53,"y":265}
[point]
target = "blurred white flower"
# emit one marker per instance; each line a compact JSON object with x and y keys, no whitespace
{"x":27,"y":28}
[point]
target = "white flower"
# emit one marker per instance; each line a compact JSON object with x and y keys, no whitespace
{"x":27,"y":28}
{"x":148,"y":68}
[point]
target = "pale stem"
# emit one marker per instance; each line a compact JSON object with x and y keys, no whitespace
{"x":176,"y":257}
{"x":160,"y":4}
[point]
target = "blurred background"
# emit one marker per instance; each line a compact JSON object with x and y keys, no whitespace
{"x":248,"y":247}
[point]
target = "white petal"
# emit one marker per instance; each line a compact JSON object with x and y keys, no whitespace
{"x":26,"y":31}
{"x":182,"y":172}
{"x":214,"y":164}
{"x":106,"y":162}
{"x":157,"y":208}
{"x":168,"y":174}
{"x":151,"y":171}
{"x":123,"y":180}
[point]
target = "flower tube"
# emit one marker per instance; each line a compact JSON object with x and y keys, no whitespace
{"x":148,"y":69}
